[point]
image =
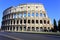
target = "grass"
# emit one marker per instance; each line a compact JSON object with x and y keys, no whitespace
{"x":34,"y":32}
{"x":49,"y":33}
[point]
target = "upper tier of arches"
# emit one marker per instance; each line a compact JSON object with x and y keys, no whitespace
{"x":24,"y":7}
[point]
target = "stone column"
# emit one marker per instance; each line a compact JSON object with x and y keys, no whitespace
{"x":10,"y":16}
{"x":9,"y":28}
{"x":27,"y":21}
{"x":39,"y":29}
{"x":22,"y":21}
{"x":18,"y":28}
{"x":22,"y":28}
{"x":19,"y":22}
{"x":39,"y":21}
{"x":26,"y":28}
{"x":35,"y":28}
{"x":35,"y":18}
{"x":31,"y":28}
{"x":43,"y":27}
{"x":15,"y":22}
{"x":12,"y":28}
{"x":12,"y":22}
{"x":4,"y":29}
{"x":15,"y":28}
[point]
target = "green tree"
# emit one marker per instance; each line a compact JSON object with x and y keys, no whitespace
{"x":59,"y":25}
{"x":55,"y":26}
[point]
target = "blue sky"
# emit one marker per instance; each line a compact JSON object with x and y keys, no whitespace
{"x":52,"y":7}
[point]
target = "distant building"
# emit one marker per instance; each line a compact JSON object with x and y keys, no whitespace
{"x":26,"y":17}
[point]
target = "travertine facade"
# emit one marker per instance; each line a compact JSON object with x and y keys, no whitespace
{"x":26,"y":17}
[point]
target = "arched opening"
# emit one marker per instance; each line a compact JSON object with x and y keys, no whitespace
{"x":37,"y":14}
{"x":49,"y":29}
{"x":28,"y":21}
{"x":24,"y":21}
{"x":45,"y":29}
{"x":37,"y":21}
{"x":37,"y":29}
{"x":41,"y":21}
{"x":21,"y":21}
{"x":41,"y":28}
{"x":28,"y":29}
{"x":32,"y":21}
{"x":41,"y":14}
{"x":29,"y":14}
{"x":8,"y":27}
{"x":44,"y":15}
{"x":47,"y":22}
{"x":17,"y":21}
{"x":14,"y":21}
{"x":20,"y":28}
{"x":25,"y":14}
{"x":33,"y":29}
{"x":24,"y":28}
{"x":32,"y":14}
{"x":44,"y":21}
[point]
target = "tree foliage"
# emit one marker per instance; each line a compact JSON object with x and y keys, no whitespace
{"x":55,"y":26}
{"x":59,"y":25}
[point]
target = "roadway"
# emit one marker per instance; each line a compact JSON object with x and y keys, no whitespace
{"x":5,"y":38}
{"x":27,"y":36}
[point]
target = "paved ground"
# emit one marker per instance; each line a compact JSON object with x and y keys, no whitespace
{"x":27,"y":36}
{"x":5,"y":38}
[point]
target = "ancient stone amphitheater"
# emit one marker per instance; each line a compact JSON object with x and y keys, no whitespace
{"x":26,"y":17}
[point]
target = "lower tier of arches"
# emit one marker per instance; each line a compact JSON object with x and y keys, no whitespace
{"x":25,"y":28}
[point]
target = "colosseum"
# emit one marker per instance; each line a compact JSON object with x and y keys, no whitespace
{"x":26,"y":17}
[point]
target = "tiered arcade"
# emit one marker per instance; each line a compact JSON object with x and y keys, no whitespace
{"x":26,"y":17}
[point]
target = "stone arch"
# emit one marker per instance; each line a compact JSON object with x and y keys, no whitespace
{"x":48,"y":22}
{"x":33,"y":29}
{"x":45,"y":29}
{"x":37,"y":28}
{"x":24,"y":28}
{"x":41,"y":28}
{"x":28,"y":29}
{"x":21,"y":28}
{"x":13,"y":28}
